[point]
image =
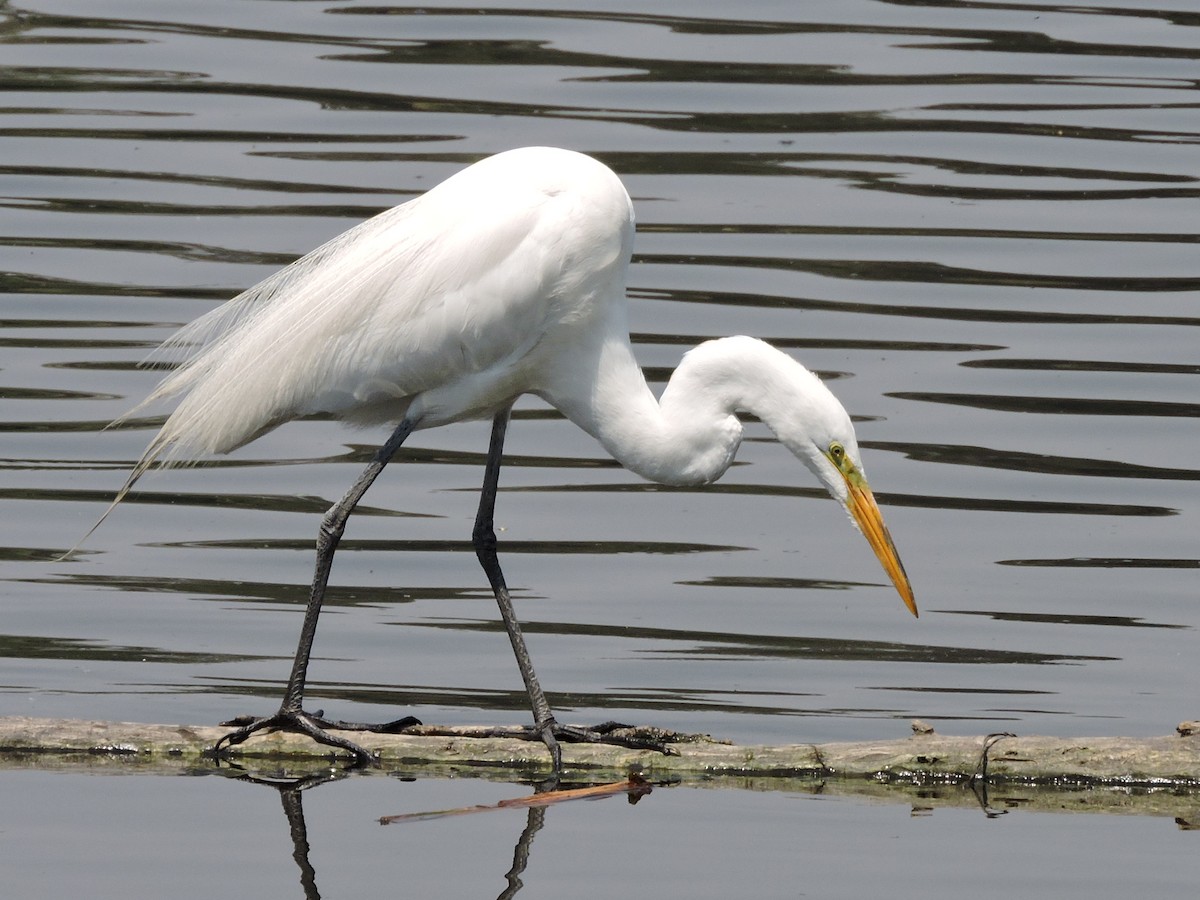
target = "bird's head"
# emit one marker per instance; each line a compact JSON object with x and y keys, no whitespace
{"x":840,"y":470}
{"x":815,"y":426}
{"x":724,"y":376}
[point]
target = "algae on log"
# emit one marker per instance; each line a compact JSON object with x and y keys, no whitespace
{"x":921,"y":758}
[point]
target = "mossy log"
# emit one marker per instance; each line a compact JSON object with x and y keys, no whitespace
{"x":922,"y":758}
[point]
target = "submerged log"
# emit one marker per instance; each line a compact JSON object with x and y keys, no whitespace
{"x":923,"y":758}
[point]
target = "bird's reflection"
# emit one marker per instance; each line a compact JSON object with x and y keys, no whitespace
{"x":535,"y":818}
{"x":291,"y":788}
{"x":293,"y":808}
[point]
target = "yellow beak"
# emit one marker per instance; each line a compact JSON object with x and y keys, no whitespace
{"x":866,"y":513}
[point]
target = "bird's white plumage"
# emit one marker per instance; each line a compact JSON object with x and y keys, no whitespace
{"x":506,"y":279}
{"x":443,"y":300}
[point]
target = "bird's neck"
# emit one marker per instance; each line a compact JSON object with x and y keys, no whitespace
{"x":691,"y":434}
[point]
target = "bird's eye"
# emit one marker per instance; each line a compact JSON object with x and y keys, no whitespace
{"x":837,"y":452}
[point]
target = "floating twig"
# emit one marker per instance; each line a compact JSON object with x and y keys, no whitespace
{"x":634,"y":787}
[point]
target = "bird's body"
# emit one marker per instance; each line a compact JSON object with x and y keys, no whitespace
{"x":506,"y":279}
{"x":493,"y":284}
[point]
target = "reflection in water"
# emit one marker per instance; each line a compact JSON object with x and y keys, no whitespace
{"x":535,"y":820}
{"x":464,"y":547}
{"x":1063,"y":619}
{"x":1059,"y":406}
{"x":1086,"y":562}
{"x":713,"y":645}
{"x":291,"y":789}
{"x":293,"y":808}
{"x":931,"y":501}
{"x":1043,"y":463}
{"x":27,"y":646}
{"x":949,"y":313}
{"x":937,"y":273}
{"x":275,"y":592}
{"x":1083,"y":365}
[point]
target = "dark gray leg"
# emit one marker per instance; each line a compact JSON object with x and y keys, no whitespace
{"x":484,"y":538}
{"x":291,"y":714}
{"x":545,"y":727}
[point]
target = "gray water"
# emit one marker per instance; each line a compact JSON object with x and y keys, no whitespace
{"x":977,"y":221}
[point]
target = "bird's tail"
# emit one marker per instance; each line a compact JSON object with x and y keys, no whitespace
{"x":149,"y":457}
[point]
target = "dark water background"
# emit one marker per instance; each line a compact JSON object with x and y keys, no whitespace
{"x":978,"y":221}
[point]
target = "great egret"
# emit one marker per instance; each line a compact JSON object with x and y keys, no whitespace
{"x":506,"y":279}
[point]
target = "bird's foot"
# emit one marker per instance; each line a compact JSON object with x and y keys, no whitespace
{"x":612,"y":733}
{"x":617,"y":734}
{"x":552,"y":732}
{"x":314,"y":725}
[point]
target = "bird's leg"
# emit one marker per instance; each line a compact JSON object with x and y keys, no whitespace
{"x":484,"y":538}
{"x":545,"y":727}
{"x":291,"y":714}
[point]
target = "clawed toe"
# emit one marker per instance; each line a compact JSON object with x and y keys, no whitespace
{"x":299,"y":721}
{"x":616,"y":734}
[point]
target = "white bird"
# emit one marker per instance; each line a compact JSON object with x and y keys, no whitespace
{"x":506,"y":279}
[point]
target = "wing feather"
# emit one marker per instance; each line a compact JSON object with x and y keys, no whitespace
{"x":440,"y":287}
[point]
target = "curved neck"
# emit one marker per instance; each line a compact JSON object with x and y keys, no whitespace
{"x":691,"y":435}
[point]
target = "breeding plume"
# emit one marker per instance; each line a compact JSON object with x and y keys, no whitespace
{"x":506,"y":279}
